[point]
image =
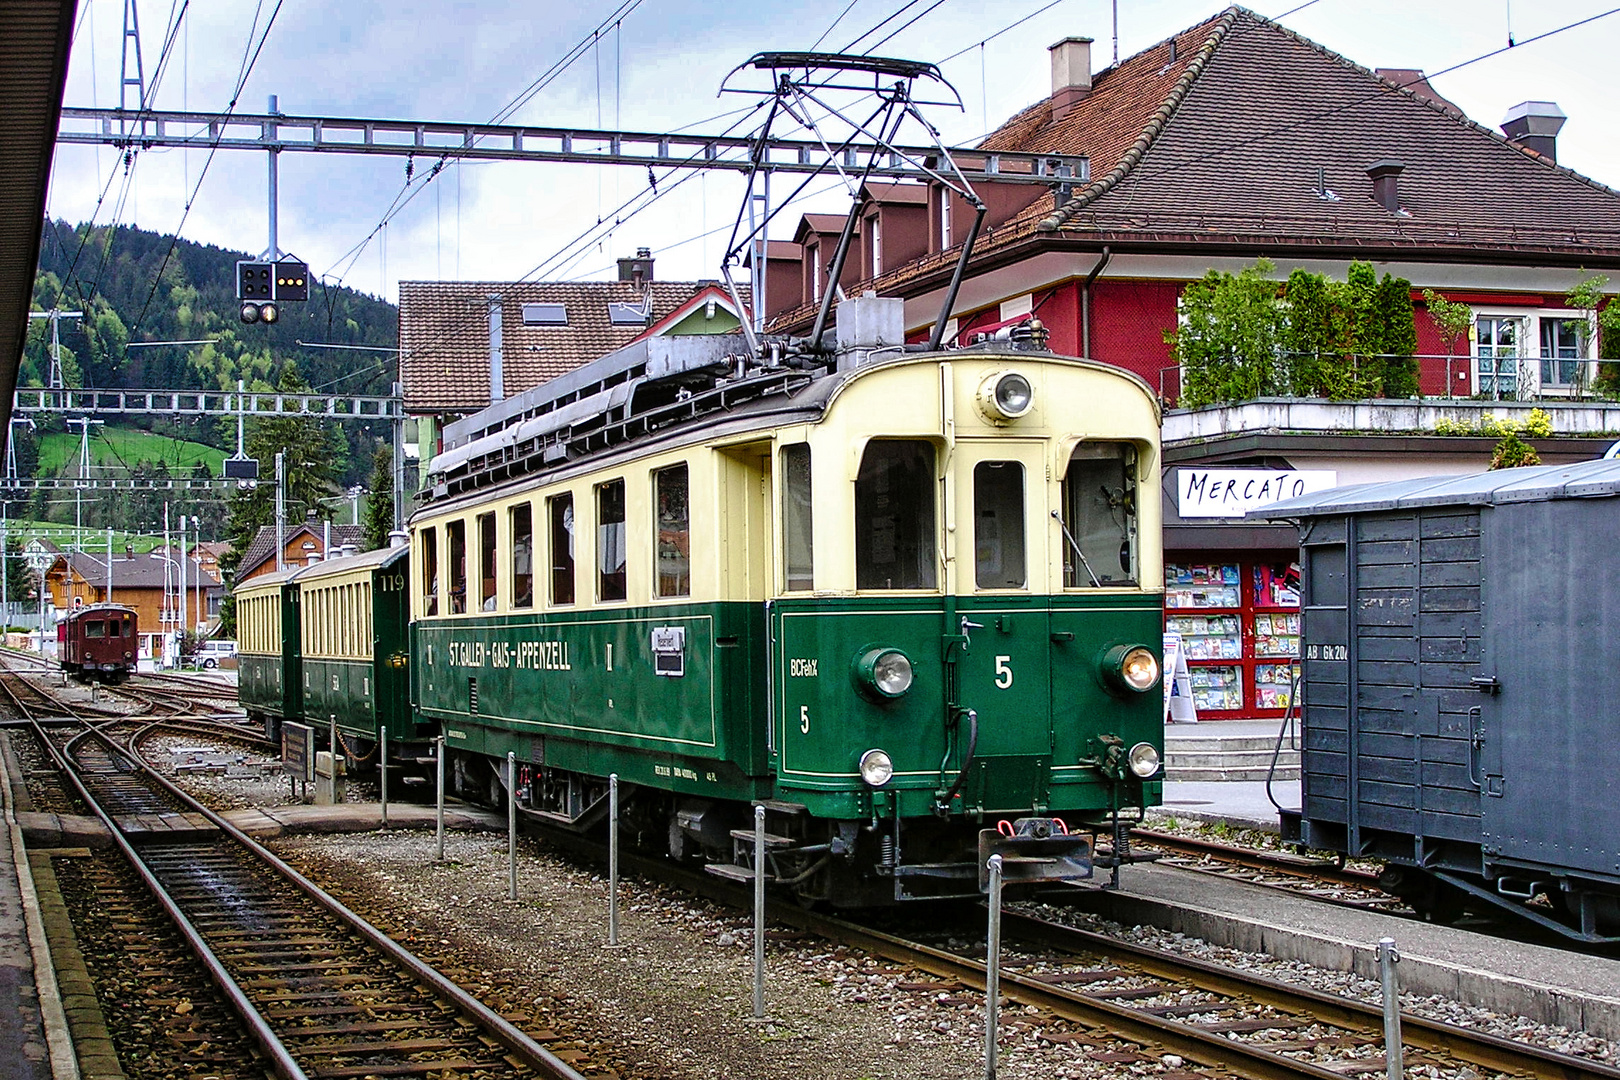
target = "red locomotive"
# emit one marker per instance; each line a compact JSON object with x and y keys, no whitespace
{"x":98,"y":642}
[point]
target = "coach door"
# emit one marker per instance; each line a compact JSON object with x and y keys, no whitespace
{"x":1004,"y":669}
{"x":743,"y":542}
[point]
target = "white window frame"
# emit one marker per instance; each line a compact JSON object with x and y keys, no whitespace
{"x":1529,"y":384}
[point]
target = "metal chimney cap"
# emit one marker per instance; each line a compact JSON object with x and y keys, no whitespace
{"x":1386,"y":167}
{"x":1534,"y":118}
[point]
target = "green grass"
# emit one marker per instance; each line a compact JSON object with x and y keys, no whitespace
{"x":91,"y":540}
{"x":120,"y":447}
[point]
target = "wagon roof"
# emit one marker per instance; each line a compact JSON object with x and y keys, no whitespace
{"x":1582,"y":480}
{"x":365,"y":560}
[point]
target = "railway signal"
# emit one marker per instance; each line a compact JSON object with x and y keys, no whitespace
{"x":291,"y":280}
{"x":256,"y":291}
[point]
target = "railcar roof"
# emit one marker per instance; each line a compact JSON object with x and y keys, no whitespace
{"x":349,"y":564}
{"x":1582,"y":480}
{"x":279,"y":577}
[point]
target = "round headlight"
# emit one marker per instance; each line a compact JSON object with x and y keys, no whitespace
{"x":1131,"y":667}
{"x":886,"y":673}
{"x":1143,"y":760}
{"x":250,"y":313}
{"x":1005,"y":396}
{"x":268,"y":313}
{"x":876,"y":768}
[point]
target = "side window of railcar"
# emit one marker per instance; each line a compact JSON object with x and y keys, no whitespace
{"x":561,"y":508}
{"x":896,"y":546}
{"x":1099,"y":516}
{"x":455,"y":534}
{"x":998,"y":525}
{"x":486,"y":562}
{"x":522,"y":523}
{"x":610,"y":541}
{"x":674,"y":546}
{"x":430,"y":571}
{"x":796,"y":533}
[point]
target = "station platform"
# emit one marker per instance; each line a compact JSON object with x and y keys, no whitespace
{"x":1216,"y":771}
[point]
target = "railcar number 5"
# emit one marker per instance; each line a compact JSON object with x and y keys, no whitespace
{"x":804,"y":719}
{"x":1004,"y":676}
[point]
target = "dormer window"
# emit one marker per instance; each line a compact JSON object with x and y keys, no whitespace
{"x":545,"y":315}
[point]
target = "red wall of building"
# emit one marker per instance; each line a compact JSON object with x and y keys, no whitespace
{"x":1128,"y":321}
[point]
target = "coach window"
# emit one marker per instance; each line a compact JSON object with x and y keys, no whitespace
{"x":1099,"y":517}
{"x":455,"y":535}
{"x":610,"y":541}
{"x":674,"y":562}
{"x":430,"y":571}
{"x":522,"y":523}
{"x":486,"y":562}
{"x":895,"y":542}
{"x":796,"y":534}
{"x":561,"y":511}
{"x":998,"y":525}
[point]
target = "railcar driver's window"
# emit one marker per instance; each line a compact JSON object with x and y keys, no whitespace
{"x":1099,"y":517}
{"x":998,"y":525}
{"x":674,"y":549}
{"x":796,"y":533}
{"x":522,"y":556}
{"x":895,"y":542}
{"x":456,"y":536}
{"x":562,"y":548}
{"x":430,"y":571}
{"x":486,"y":562}
{"x":610,"y":541}
{"x":95,"y":629}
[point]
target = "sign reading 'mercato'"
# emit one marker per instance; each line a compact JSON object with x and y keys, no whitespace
{"x":1230,"y":493}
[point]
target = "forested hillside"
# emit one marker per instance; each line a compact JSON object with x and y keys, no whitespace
{"x":137,"y":286}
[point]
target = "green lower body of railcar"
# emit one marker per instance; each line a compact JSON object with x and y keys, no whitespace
{"x":268,"y":688}
{"x":1010,"y":715}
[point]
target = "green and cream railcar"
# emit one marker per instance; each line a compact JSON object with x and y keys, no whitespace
{"x":269,"y":657}
{"x":354,"y":641}
{"x":901,"y":602}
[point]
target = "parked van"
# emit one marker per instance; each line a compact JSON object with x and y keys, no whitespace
{"x":211,"y":652}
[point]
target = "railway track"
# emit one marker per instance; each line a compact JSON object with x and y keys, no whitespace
{"x":317,"y":990}
{"x":1320,"y":879}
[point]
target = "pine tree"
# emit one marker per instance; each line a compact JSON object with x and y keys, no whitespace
{"x":379,"y":515}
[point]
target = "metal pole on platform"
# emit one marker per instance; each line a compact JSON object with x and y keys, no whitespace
{"x":438,"y":756}
{"x":759,"y":912}
{"x":1394,"y":1066}
{"x":511,"y":825}
{"x":992,"y":972}
{"x":382,"y":770}
{"x":613,"y":859}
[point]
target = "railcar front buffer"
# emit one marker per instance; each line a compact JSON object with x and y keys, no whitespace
{"x":1034,"y":850}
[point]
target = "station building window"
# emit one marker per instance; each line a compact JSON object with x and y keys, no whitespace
{"x":796,"y":520}
{"x":486,"y":562}
{"x":610,"y":541}
{"x":896,"y":546}
{"x":1099,"y":517}
{"x":561,"y":512}
{"x":673,"y":576}
{"x":998,"y":525}
{"x":455,"y":534}
{"x":430,"y":571}
{"x":522,"y":525}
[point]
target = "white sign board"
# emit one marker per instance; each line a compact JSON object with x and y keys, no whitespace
{"x":1178,"y":699}
{"x":1231,"y":493}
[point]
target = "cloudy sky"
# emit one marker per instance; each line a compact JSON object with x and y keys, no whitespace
{"x":657,"y":67}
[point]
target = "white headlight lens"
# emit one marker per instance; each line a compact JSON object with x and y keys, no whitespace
{"x":1014,"y":396}
{"x":1144,"y":760}
{"x":1140,"y":669}
{"x":892,"y":673}
{"x":268,"y":313}
{"x":876,"y":768}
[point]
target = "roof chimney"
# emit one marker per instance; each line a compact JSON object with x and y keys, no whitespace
{"x":1071,"y":74}
{"x":1385,"y":176}
{"x":1534,"y":125}
{"x":497,"y":376}
{"x":638,"y":270}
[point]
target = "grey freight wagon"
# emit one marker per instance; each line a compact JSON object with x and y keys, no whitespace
{"x":1461,"y":696}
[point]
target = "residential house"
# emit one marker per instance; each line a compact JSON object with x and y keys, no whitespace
{"x":150,"y":583}
{"x":466,"y":345}
{"x":302,"y":544}
{"x":1238,"y":139}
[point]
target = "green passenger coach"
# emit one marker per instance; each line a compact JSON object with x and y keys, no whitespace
{"x":908,"y":601}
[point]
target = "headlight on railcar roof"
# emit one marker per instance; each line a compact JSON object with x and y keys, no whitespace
{"x":883,"y":673}
{"x":1131,"y":667}
{"x":1143,"y":760}
{"x":1005,"y":396}
{"x":877,"y":768}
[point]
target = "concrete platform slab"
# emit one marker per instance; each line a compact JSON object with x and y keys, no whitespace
{"x":1242,"y":804}
{"x":267,"y":822}
{"x":1548,"y":985}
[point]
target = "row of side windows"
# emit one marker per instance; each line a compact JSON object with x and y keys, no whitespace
{"x":473,"y":544}
{"x":337,"y":620}
{"x":258,"y":620}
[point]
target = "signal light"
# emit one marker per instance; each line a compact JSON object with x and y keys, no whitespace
{"x":292,"y":281}
{"x":253,"y":281}
{"x":250,"y":313}
{"x":265,"y":313}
